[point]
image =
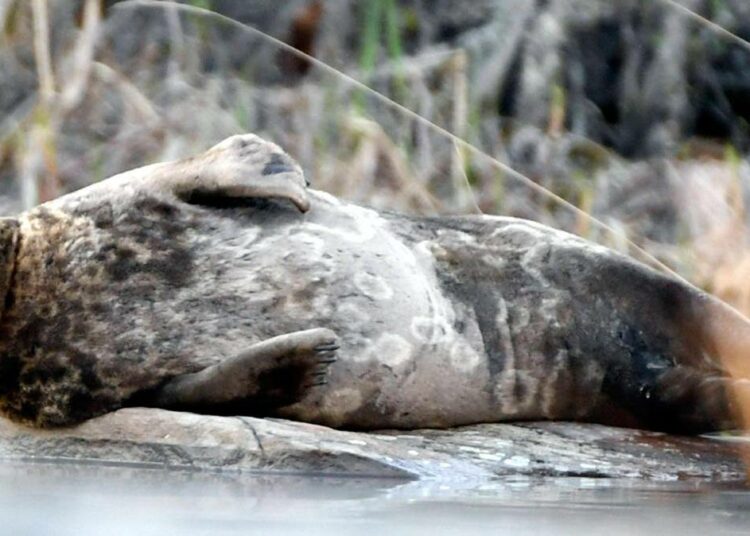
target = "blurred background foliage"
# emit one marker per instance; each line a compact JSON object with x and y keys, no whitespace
{"x":629,"y":110}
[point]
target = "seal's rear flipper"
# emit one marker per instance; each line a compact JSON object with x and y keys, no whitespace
{"x":681,"y":400}
{"x":694,"y":376}
{"x":268,"y":375}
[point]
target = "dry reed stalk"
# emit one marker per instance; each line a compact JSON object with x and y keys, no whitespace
{"x":375,"y":145}
{"x":462,"y":188}
{"x":39,"y":171}
{"x":133,"y":97}
{"x":42,"y":51}
{"x":83,"y":58}
{"x":176,"y":41}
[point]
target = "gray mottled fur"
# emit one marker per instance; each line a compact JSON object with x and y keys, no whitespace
{"x":116,"y":290}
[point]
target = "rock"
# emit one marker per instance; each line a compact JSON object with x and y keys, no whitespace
{"x":155,"y":438}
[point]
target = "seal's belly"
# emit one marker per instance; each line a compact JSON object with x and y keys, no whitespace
{"x":488,"y":339}
{"x":432,"y":332}
{"x":342,"y":267}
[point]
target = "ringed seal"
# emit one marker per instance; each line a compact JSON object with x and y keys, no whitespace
{"x":221,"y":284}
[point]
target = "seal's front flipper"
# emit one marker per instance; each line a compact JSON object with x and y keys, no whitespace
{"x":268,"y":375}
{"x":241,"y":167}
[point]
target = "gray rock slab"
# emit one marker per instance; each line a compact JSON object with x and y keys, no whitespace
{"x":156,"y":438}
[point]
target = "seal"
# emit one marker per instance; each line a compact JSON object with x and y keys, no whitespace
{"x":221,"y":284}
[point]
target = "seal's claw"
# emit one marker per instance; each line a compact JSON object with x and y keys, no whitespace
{"x":332,"y":346}
{"x":317,"y":383}
{"x":325,"y":355}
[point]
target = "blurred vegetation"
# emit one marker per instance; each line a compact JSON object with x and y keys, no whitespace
{"x":629,"y":110}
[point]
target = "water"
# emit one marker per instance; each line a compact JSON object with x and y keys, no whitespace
{"x":37,"y":499}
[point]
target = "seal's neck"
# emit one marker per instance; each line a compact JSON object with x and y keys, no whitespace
{"x":8,"y":241}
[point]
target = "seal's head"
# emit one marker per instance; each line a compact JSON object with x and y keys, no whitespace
{"x":8,"y":248}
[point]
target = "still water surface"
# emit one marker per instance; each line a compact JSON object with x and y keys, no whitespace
{"x":38,"y":499}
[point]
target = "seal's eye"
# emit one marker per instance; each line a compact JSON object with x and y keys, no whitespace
{"x":277,"y":165}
